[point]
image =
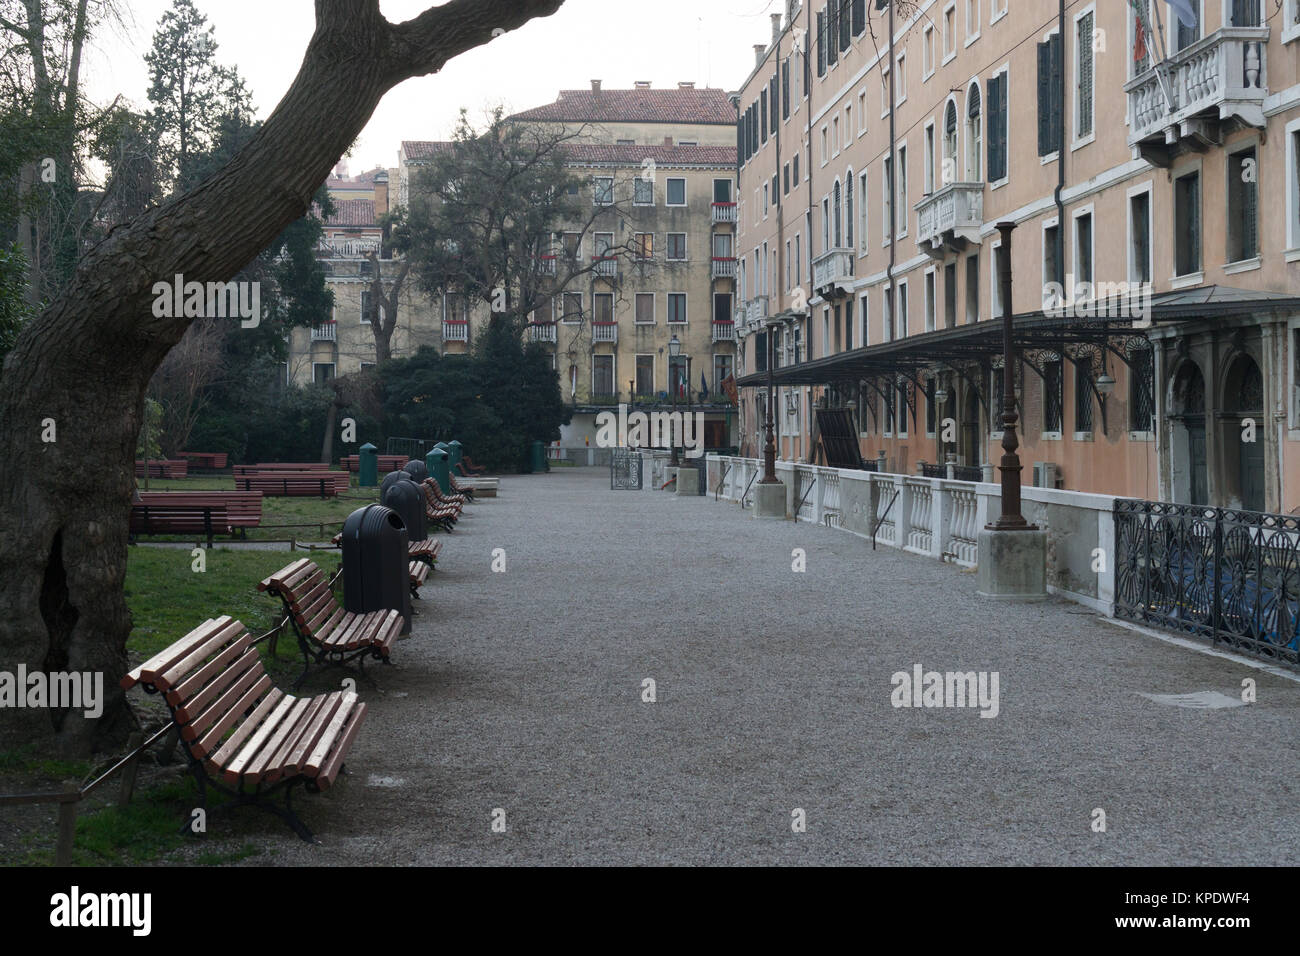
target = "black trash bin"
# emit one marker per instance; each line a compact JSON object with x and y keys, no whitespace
{"x":416,"y":469}
{"x":391,"y":479}
{"x":406,"y":498}
{"x":375,"y":575}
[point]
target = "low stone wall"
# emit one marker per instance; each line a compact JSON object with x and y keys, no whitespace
{"x":940,"y":518}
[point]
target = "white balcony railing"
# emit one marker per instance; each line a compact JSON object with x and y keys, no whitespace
{"x":542,"y":332}
{"x":950,"y":217}
{"x":756,"y":311}
{"x":724,"y":212}
{"x":546,"y":265}
{"x":346,"y":248}
{"x":724,"y":267}
{"x":604,"y":332}
{"x":605,"y":265}
{"x":455,"y":330}
{"x":325,"y":332}
{"x":831,"y":270}
{"x":1221,"y":77}
{"x":724,"y":331}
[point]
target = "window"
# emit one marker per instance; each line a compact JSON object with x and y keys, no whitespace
{"x":787,"y":265}
{"x":862,"y":192}
{"x":785,"y":89}
{"x":928,"y":158}
{"x":929,"y":407}
{"x":848,"y":126}
{"x":676,"y":307}
{"x":1293,"y":180}
{"x":997,"y":127}
{"x":776,"y":195}
{"x":365,"y":306}
{"x":645,"y":374}
{"x":950,"y":295}
{"x":643,"y":192}
{"x":835,"y":215}
{"x":603,"y":306}
{"x":645,"y":308}
{"x":322,"y":372}
{"x":949,"y":32}
{"x":760,"y":351}
{"x":865,"y":320}
{"x":997,"y":10}
{"x":1049,"y":96}
{"x":676,"y":247}
{"x":722,"y":370}
{"x":1140,"y":60}
{"x":995,"y":285}
{"x":572,"y":307}
{"x":1243,"y":205}
{"x":1082,"y":396}
{"x":887,"y":316}
{"x":974,"y":135}
{"x":545,"y":311}
{"x":766,"y":200}
{"x":972,"y":20}
{"x":902,"y":310}
{"x":604,"y":245}
{"x":797,"y":261}
{"x":676,"y":192}
{"x":832,"y":32}
{"x":848,"y":324}
{"x":573,"y":245}
{"x":848,"y":209}
{"x":859,"y":17}
{"x":1051,"y":273}
{"x":1187,"y":224}
{"x":722,"y":245}
{"x":927,"y":51}
{"x":821,"y":43}
{"x":603,"y":190}
{"x":884,"y":91}
{"x":948,"y":169}
{"x":722,"y":190}
{"x":902,"y":406}
{"x":862,"y":112}
{"x":795,"y":170}
{"x":762,"y":112}
{"x":1083,"y":250}
{"x":826,"y":225}
{"x":929,"y":300}
{"x":903,"y":207}
{"x":1141,"y":390}
{"x":1139,"y":236}
{"x":1053,"y":396}
{"x":785,"y":180}
{"x":722,"y":307}
{"x":826,"y":332}
{"x":643,"y":245}
{"x":602,"y":376}
{"x":973,"y":288}
{"x":1185,"y":36}
{"x":835,"y":136}
{"x":1083,"y":71}
{"x":900,"y":79}
{"x":887,"y":219}
{"x":826,"y":156}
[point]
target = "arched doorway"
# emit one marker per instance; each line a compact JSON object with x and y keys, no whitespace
{"x":1243,"y":426}
{"x":969,"y":449}
{"x":1187,"y":418}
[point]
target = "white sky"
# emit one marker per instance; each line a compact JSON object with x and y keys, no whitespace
{"x":617,"y":41}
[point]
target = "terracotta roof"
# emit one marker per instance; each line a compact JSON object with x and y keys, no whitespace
{"x":708,"y":106}
{"x":622,"y":154}
{"x":423,"y":149}
{"x":352,"y":212}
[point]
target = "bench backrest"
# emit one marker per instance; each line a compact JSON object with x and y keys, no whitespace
{"x":286,"y":482}
{"x":305,"y":590}
{"x":160,"y":519}
{"x":215,"y":684}
{"x":241,"y":506}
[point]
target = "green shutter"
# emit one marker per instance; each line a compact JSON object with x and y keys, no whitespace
{"x":1058,"y":107}
{"x":821,"y":43}
{"x":1044,"y":102}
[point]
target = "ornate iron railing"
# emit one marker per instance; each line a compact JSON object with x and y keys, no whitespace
{"x":1230,"y":576}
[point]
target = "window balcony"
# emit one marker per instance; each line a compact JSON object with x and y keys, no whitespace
{"x":724,"y":212}
{"x":724,"y":331}
{"x":346,"y":248}
{"x":756,"y":312}
{"x":604,"y":332}
{"x":325,"y":332}
{"x":605,"y":265}
{"x":949,"y":218}
{"x":546,"y":265}
{"x":455,"y":330}
{"x":541,"y":332}
{"x":1186,"y":102}
{"x":833,"y":273}
{"x":724,"y":267}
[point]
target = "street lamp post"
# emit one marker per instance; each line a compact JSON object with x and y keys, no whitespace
{"x":769,"y":446}
{"x":1011,"y":518}
{"x":674,"y":350}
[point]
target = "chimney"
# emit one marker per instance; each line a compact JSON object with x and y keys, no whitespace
{"x":668,"y":140}
{"x":760,"y":51}
{"x":642,"y":84}
{"x":686,"y":84}
{"x":776,"y":28}
{"x":381,"y":193}
{"x":595,"y":86}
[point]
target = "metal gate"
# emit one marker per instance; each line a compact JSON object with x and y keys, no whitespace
{"x":1230,"y":576}
{"x":625,"y":470}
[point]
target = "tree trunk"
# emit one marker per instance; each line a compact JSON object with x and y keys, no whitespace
{"x":86,"y":362}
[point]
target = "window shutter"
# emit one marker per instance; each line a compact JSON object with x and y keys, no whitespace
{"x":1195,"y":223}
{"x":785,"y":90}
{"x":846,"y":24}
{"x":859,"y":17}
{"x":821,"y":43}
{"x":1249,"y":214}
{"x":832,"y":32}
{"x":996,"y":132}
{"x":1085,"y":75}
{"x":763,"y":114}
{"x":848,"y":212}
{"x":1044,"y":103}
{"x":1058,"y":108}
{"x":753,"y":130}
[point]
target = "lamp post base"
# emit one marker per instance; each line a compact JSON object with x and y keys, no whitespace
{"x":688,"y":480}
{"x":769,"y":499}
{"x":1012,"y":565}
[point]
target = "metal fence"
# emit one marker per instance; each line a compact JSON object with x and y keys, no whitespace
{"x":625,"y":472}
{"x":412,"y":448}
{"x":1230,"y":576}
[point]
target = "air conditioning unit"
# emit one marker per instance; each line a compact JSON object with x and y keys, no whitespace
{"x":1047,"y":474}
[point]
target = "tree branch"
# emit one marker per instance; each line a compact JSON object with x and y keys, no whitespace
{"x":425,"y":44}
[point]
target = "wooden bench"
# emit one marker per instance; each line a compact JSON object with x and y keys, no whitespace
{"x":173,"y":468}
{"x":458,"y":489}
{"x":437,"y":511}
{"x":387,"y":463}
{"x":206,"y":520}
{"x":327,"y":634}
{"x":304,"y":484}
{"x":244,"y":736}
{"x":263,"y":468}
{"x":243,"y":508}
{"x":468,"y":468}
{"x":215,"y":460}
{"x":454,"y":498}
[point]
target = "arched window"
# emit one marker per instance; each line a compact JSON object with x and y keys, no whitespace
{"x":949,"y":170}
{"x":848,"y":209}
{"x":974,"y":134}
{"x":835,"y":213}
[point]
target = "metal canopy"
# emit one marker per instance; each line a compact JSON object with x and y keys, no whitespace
{"x":1108,"y":328}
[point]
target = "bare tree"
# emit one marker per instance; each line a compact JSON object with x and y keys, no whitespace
{"x":83,"y":366}
{"x":182,"y":383}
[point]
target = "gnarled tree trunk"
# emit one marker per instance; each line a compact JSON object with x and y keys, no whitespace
{"x":86,"y":362}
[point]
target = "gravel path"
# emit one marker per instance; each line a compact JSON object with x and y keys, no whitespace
{"x":523,"y":691}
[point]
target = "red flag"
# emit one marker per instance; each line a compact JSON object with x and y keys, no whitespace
{"x":1139,"y":43}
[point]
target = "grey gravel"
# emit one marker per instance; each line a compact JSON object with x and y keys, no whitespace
{"x":522,"y":691}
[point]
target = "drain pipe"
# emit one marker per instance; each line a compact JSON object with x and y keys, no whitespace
{"x":893,"y":185}
{"x":1060,"y":163}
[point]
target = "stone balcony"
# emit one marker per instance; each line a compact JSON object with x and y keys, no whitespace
{"x":833,"y":273}
{"x":1186,"y":102}
{"x":724,"y":267}
{"x":949,"y":218}
{"x":724,"y":212}
{"x":604,"y":332}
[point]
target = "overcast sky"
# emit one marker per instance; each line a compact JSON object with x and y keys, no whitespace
{"x":709,"y":42}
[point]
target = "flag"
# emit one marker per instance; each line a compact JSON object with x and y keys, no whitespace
{"x":1139,"y":42}
{"x":704,"y":385}
{"x":1186,"y":12}
{"x":729,"y":386}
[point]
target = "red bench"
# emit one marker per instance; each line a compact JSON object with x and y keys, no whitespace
{"x":216,"y":460}
{"x":162,"y":468}
{"x":242,"y":734}
{"x":387,"y":463}
{"x":243,"y":508}
{"x":299,"y":484}
{"x":262,"y":468}
{"x":205,"y":520}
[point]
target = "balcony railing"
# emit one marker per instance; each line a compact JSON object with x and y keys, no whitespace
{"x":724,"y":331}
{"x":605,"y":265}
{"x":546,"y":265}
{"x":724,"y":267}
{"x":832,"y":271}
{"x":1219,"y":78}
{"x":541,"y":332}
{"x":950,"y":217}
{"x":604,"y":332}
{"x":455,"y":330}
{"x":346,"y":248}
{"x":724,"y":212}
{"x":756,"y":311}
{"x":325,"y":332}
